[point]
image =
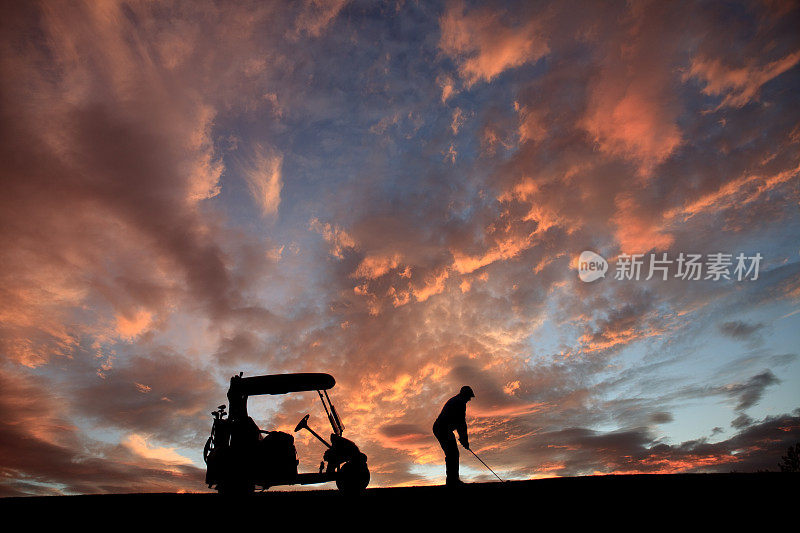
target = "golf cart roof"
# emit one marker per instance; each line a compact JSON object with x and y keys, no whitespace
{"x":282,"y":383}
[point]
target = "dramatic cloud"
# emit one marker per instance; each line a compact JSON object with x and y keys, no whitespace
{"x":485,"y":45}
{"x":397,"y":194}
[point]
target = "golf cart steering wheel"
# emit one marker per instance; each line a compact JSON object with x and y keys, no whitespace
{"x":303,"y":423}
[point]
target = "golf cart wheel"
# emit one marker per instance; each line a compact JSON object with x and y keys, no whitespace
{"x":353,"y":477}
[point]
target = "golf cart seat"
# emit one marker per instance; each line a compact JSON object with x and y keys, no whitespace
{"x":277,"y":456}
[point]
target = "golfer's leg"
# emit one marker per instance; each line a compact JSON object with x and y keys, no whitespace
{"x":451,"y":458}
{"x":442,"y":438}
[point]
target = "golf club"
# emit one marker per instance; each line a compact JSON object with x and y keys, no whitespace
{"x":487,"y":466}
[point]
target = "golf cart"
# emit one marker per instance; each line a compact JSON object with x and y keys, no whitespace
{"x":240,"y":456}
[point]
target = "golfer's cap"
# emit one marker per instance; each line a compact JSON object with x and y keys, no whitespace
{"x":466,"y":390}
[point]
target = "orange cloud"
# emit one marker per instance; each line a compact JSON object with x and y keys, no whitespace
{"x":337,"y":237}
{"x":432,"y":286}
{"x":263,"y":175}
{"x":485,"y":46}
{"x":204,"y":170}
{"x":531,"y":125}
{"x":375,"y":266}
{"x":741,"y":85}
{"x":129,"y":327}
{"x":505,"y":248}
{"x":631,"y":121}
{"x":735,"y":193}
{"x":637,"y":230}
{"x":140,"y":445}
{"x":509,"y":411}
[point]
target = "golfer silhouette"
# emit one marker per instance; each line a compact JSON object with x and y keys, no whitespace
{"x":453,"y":418}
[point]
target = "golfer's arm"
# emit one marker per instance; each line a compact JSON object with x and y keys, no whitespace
{"x":462,"y":431}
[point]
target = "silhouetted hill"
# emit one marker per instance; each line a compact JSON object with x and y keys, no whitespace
{"x":681,"y":498}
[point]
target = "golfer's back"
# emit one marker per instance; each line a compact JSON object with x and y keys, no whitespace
{"x":453,"y":414}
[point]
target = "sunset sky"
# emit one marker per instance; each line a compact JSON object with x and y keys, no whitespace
{"x":397,"y":194}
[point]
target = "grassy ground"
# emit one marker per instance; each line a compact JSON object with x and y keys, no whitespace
{"x":621,"y":502}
